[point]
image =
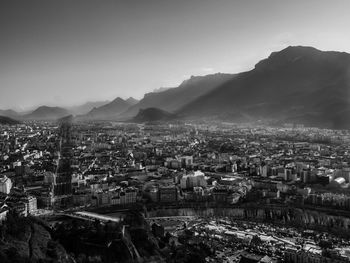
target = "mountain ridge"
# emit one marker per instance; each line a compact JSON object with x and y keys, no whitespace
{"x":289,"y":83}
{"x":9,"y":113}
{"x":86,"y":107}
{"x":46,"y":113}
{"x":174,"y":98}
{"x":108,"y":111}
{"x":298,"y":83}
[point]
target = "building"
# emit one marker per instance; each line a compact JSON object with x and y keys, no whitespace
{"x":220,"y":195}
{"x":263,"y":170}
{"x":128,"y":196}
{"x":5,"y":185}
{"x":168,"y":194}
{"x":306,"y":176}
{"x":301,"y":256}
{"x":31,"y":204}
{"x":3,"y":213}
{"x":186,"y":161}
{"x":193,"y":180}
{"x":81,"y":199}
{"x":153,"y":194}
{"x":289,"y":174}
{"x":19,"y":168}
{"x":173,"y":164}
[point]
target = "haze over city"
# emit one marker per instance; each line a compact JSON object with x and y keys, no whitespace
{"x":68,"y":52}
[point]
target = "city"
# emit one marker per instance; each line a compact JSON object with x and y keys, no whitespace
{"x":275,"y":193}
{"x":163,"y":131}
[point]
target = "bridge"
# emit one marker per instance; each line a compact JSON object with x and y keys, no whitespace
{"x":93,"y":216}
{"x":170,"y":218}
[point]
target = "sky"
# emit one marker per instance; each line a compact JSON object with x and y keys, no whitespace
{"x":67,"y":52}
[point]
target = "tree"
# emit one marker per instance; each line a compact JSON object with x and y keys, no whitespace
{"x":256,"y":241}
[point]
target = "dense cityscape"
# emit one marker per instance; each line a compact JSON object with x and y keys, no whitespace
{"x":162,"y":131}
{"x":176,"y":191}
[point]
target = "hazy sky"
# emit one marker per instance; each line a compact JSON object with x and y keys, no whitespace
{"x":68,"y":52}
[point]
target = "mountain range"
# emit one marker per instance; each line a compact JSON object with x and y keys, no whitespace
{"x":297,"y":85}
{"x":9,"y":113}
{"x":86,"y":107}
{"x":55,"y":113}
{"x":110,"y":110}
{"x":175,"y":98}
{"x":46,"y":113}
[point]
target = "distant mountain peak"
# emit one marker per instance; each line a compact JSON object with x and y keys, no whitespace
{"x":132,"y":101}
{"x":304,"y":55}
{"x":293,"y":51}
{"x":86,"y":107}
{"x":9,"y":113}
{"x":48,"y":108}
{"x":47,"y":113}
{"x":118,"y":100}
{"x":108,"y":111}
{"x":302,"y":48}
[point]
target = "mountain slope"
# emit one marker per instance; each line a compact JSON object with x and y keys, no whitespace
{"x":300,"y":84}
{"x":132,"y":101}
{"x":9,"y":113}
{"x":86,"y":107}
{"x":153,"y":114}
{"x":25,"y":239}
{"x":108,"y":111}
{"x":174,"y":98}
{"x":4,"y":120}
{"x":46,"y":113}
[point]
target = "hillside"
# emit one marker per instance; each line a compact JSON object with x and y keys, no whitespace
{"x":297,"y":84}
{"x":7,"y":121}
{"x":25,"y":240}
{"x":152,"y":115}
{"x":174,"y":98}
{"x":86,"y":107}
{"x":46,"y":113}
{"x":132,"y":101}
{"x":9,"y":113}
{"x":108,"y":111}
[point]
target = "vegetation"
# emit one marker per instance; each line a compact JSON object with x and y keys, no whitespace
{"x":92,"y":241}
{"x":7,"y":121}
{"x":24,"y":239}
